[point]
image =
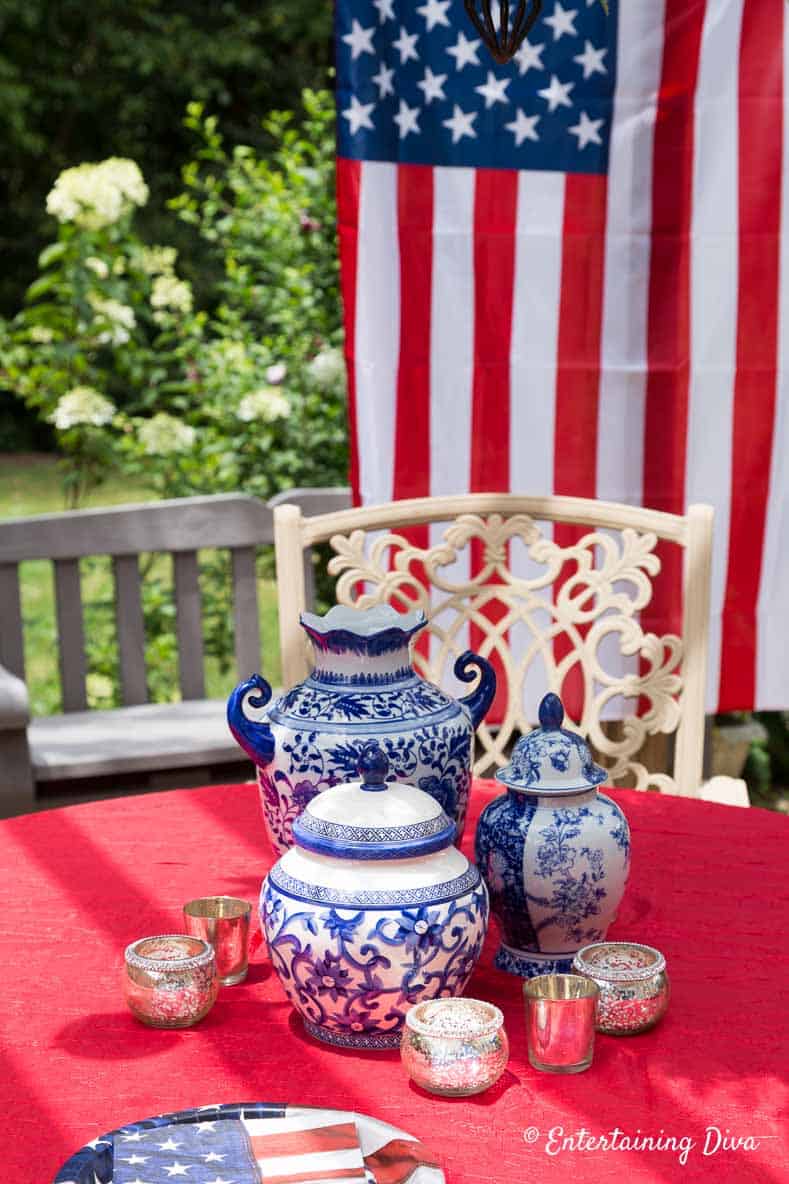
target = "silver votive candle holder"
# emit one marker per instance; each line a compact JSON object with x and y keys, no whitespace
{"x":170,"y":980}
{"x":454,"y":1047}
{"x":560,"y":1022}
{"x":222,"y":921}
{"x":633,"y":984}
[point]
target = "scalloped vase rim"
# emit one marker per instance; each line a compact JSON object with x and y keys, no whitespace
{"x":363,"y":622}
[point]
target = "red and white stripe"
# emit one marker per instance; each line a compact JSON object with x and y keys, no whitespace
{"x":622,"y":337}
{"x":307,"y":1148}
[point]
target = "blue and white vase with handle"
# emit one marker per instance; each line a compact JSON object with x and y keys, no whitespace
{"x":363,"y":686}
{"x":553,"y":850}
{"x":373,"y":910}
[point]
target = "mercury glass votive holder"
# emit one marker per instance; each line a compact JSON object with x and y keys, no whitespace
{"x":633,"y":984}
{"x":171,"y":980}
{"x":560,"y":1022}
{"x":454,"y":1047}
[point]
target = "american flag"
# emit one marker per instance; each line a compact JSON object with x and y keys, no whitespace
{"x":567,"y":275}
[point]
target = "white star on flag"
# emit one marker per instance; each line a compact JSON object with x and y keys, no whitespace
{"x":385,"y":10}
{"x":557,"y":94}
{"x":432,"y":85}
{"x":464,"y":52}
{"x":529,"y":56}
{"x":205,"y":1126}
{"x":133,"y":1159}
{"x":359,"y":39}
{"x":169,"y":1145}
{"x":435,"y":13}
{"x":461,"y":124}
{"x":493,"y":90}
{"x":213,"y":1157}
{"x":562,"y":21}
{"x":178,"y":1169}
{"x":523,"y":127}
{"x":587,"y":130}
{"x":592,"y":60}
{"x":358,"y":115}
{"x":406,"y":45}
{"x":407,"y":119}
{"x":135,"y":1138}
{"x":383,"y":80}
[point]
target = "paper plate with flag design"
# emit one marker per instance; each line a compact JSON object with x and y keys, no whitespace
{"x":252,"y":1142}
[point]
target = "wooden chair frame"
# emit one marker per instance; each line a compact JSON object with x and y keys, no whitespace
{"x":486,"y":515}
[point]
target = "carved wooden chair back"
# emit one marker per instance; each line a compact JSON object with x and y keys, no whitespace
{"x":568,"y":607}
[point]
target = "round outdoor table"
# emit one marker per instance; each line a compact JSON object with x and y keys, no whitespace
{"x":708,"y":887}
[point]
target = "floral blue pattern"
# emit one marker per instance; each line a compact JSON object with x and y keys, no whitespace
{"x":354,"y":975}
{"x":553,"y":851}
{"x":311,"y":737}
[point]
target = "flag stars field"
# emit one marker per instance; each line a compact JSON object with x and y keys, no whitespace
{"x":416,"y":85}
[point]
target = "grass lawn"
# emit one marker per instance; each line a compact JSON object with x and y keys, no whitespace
{"x":31,"y":484}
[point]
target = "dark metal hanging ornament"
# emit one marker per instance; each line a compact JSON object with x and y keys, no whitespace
{"x":514,"y":23}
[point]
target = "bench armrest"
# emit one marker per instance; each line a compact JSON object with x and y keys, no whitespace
{"x":14,"y":702}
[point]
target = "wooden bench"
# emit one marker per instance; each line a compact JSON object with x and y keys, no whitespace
{"x":140,"y":736}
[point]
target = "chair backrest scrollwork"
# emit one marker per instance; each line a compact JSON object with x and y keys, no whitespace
{"x":570,"y":607}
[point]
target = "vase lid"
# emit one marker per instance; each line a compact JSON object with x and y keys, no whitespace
{"x":372,"y":818}
{"x":550,"y":760}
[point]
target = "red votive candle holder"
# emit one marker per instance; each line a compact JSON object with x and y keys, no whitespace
{"x":171,"y":980}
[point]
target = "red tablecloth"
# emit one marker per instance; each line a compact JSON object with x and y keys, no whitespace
{"x":709,"y":886}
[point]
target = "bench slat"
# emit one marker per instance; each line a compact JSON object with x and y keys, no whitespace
{"x":130,"y":629}
{"x":188,"y":615}
{"x":12,"y":644}
{"x":245,"y":611}
{"x":71,"y":634}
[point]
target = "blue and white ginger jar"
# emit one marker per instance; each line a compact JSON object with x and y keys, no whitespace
{"x":553,"y":851}
{"x":373,"y":910}
{"x":363,"y":686}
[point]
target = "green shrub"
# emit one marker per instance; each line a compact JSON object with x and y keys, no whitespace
{"x":239,"y":388}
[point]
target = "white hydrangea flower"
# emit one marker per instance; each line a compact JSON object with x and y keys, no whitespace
{"x":268,"y":403}
{"x":162,"y":434}
{"x":327,"y":369}
{"x":98,"y":267}
{"x":226,"y":354}
{"x":170,"y":292}
{"x":276,"y":373}
{"x":96,"y":195}
{"x":82,"y":405}
{"x":41,"y":335}
{"x":120,"y":318}
{"x":158,"y":260}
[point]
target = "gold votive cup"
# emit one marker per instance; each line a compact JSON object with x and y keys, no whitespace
{"x":454,"y":1047}
{"x":560,"y":1022}
{"x":222,"y":921}
{"x":170,"y":980}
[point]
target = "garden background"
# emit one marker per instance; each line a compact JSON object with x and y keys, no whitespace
{"x":170,"y":319}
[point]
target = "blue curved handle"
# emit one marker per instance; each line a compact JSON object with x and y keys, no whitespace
{"x":254,"y":736}
{"x":467,"y":667}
